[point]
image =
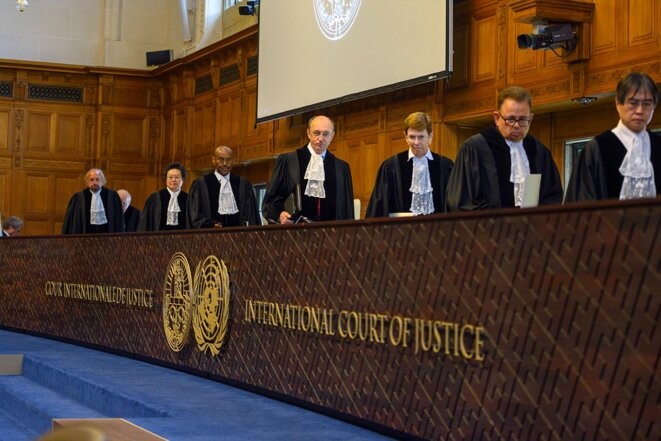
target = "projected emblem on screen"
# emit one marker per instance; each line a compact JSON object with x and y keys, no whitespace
{"x":335,"y":17}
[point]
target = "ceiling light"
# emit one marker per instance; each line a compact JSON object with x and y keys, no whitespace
{"x":21,"y":5}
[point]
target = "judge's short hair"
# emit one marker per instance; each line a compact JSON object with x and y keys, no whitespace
{"x":634,"y":82}
{"x":418,"y":121}
{"x":516,"y":93}
{"x":14,"y":222}
{"x":175,"y":165}
{"x":99,"y":171}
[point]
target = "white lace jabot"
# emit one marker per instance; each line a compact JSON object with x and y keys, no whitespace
{"x":315,"y":175}
{"x":520,"y":169}
{"x":422,"y":196}
{"x":636,"y":168}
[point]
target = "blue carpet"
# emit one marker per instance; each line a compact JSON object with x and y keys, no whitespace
{"x":66,"y":381}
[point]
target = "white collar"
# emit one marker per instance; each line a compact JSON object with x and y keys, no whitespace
{"x":514,"y":144}
{"x":220,"y":177}
{"x":173,"y":193}
{"x":312,"y":152}
{"x":626,"y":136}
{"x":428,"y":155}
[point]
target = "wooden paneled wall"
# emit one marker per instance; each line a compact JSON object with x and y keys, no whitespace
{"x":131,"y":123}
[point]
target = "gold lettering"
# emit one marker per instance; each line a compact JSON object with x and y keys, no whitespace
{"x":462,"y":343}
{"x":352,"y":330}
{"x":479,"y":343}
{"x":305,"y":318}
{"x":341,"y":324}
{"x":376,"y":327}
{"x":287,"y":319}
{"x":327,"y":322}
{"x":279,"y":319}
{"x":399,"y":331}
{"x":314,"y":322}
{"x":436,"y":346}
{"x":249,"y":314}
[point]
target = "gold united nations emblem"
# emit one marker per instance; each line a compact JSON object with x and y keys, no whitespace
{"x":203,"y":302}
{"x":211,"y":305}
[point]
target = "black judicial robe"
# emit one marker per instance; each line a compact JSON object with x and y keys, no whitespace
{"x":596,"y":173}
{"x":155,"y":213}
{"x":289,"y":170}
{"x":131,"y":219}
{"x":391,"y":192}
{"x":480,"y":178}
{"x":77,"y":217}
{"x":202,"y":210}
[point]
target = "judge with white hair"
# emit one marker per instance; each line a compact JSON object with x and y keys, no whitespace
{"x":96,"y":209}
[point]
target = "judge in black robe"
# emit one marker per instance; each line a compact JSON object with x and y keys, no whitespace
{"x":77,"y":216}
{"x":154,"y":215}
{"x":203,"y":196}
{"x":391,"y":193}
{"x":155,"y":212}
{"x":131,"y":214}
{"x":131,"y":219}
{"x":596,"y":174}
{"x":480,"y":178}
{"x":289,"y":179}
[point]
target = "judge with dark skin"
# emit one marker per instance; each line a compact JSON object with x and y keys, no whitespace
{"x":414,"y":180}
{"x":322,"y":180}
{"x":625,"y":162}
{"x":95,"y":209}
{"x":222,"y":199}
{"x":491,"y":167}
{"x":165,"y":209}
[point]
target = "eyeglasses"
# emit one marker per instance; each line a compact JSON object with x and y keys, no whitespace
{"x":647,"y":105}
{"x":511,"y":121}
{"x":318,"y":133}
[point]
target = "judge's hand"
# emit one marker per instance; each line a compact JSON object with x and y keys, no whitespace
{"x":285,"y":218}
{"x":218,"y":225}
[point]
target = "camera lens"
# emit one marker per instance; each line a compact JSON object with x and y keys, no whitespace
{"x":525,"y":41}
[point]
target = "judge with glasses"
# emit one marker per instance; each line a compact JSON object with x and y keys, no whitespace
{"x":624,"y":162}
{"x":491,"y":167}
{"x":319,"y":181}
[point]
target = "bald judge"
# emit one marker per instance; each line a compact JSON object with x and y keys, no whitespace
{"x":222,"y":199}
{"x":95,"y":209}
{"x":322,"y":180}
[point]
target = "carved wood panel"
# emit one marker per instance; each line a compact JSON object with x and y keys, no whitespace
{"x":38,"y":128}
{"x":5,"y":191}
{"x":69,"y":134}
{"x":204,"y":119}
{"x":5,"y":140}
{"x":37,"y":193}
{"x":66,"y":186}
{"x":483,"y":60}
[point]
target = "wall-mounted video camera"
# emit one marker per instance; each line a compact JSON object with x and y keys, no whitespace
{"x":250,"y":8}
{"x":561,"y":35}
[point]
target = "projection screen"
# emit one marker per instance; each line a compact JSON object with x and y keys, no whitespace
{"x":316,"y":53}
